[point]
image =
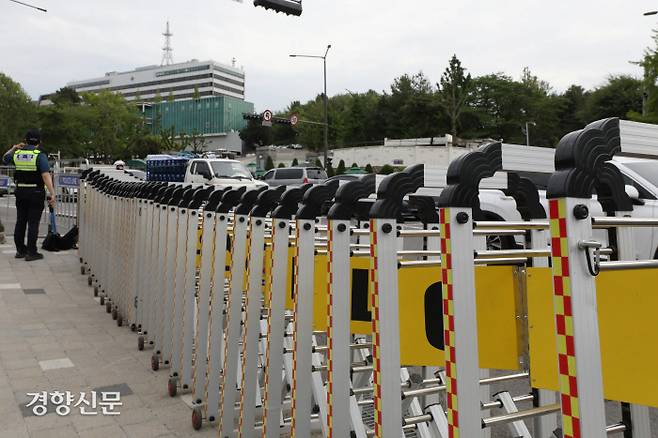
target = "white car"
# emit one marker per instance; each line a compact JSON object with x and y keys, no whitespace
{"x":220,"y":172}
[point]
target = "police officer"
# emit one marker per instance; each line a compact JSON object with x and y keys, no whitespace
{"x":32,"y":173}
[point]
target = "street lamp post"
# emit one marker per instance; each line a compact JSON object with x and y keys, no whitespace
{"x":527,"y":132}
{"x":326,"y":100}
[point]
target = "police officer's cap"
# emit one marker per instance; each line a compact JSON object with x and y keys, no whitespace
{"x":33,"y":137}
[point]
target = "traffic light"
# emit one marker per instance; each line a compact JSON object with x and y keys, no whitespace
{"x":281,"y":121}
{"x":288,"y":7}
{"x":250,"y":116}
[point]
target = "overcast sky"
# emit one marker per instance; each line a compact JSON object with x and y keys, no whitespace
{"x":374,"y":41}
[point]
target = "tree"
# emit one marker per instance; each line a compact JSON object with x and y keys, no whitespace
{"x":341,"y":168}
{"x":281,"y":165}
{"x":269,"y":164}
{"x":295,"y":162}
{"x":354,"y":165}
{"x":369,"y":169}
{"x":318,"y":163}
{"x":255,"y":134}
{"x":17,"y":113}
{"x":454,"y":90}
{"x":616,"y":98}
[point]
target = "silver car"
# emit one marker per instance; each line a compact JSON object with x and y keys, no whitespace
{"x":294,"y":176}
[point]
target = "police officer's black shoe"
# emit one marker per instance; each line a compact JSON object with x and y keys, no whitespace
{"x":35,"y":256}
{"x":19,"y":255}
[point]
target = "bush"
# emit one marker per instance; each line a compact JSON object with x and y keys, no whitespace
{"x":341,"y":168}
{"x":281,"y":165}
{"x":318,"y":163}
{"x":295,"y":162}
{"x":369,"y":168}
{"x":354,"y":165}
{"x":386,"y":169}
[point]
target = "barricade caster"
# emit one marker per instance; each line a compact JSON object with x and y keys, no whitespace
{"x":155,"y":362}
{"x":197,"y":417}
{"x":172,"y":386}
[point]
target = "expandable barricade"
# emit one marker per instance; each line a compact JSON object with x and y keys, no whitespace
{"x":362,"y":310}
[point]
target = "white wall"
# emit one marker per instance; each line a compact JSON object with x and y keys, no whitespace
{"x":402,"y":156}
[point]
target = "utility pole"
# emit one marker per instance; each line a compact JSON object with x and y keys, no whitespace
{"x":527,"y":132}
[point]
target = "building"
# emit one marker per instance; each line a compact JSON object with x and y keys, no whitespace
{"x":180,"y":81}
{"x":217,"y":119}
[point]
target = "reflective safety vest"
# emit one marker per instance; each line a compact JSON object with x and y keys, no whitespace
{"x":27,"y":173}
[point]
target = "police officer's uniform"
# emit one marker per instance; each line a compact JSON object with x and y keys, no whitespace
{"x":30,"y":163}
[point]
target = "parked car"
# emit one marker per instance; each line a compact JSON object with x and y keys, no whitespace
{"x":220,"y":172}
{"x":294,"y":176}
{"x":8,"y":187}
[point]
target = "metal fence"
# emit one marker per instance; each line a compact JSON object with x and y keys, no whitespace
{"x":66,"y":181}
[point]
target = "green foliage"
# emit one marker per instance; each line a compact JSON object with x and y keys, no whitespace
{"x":386,"y":169}
{"x":341,"y":168}
{"x":269,"y":164}
{"x":454,"y":92}
{"x":17,"y":113}
{"x":330,"y":171}
{"x":281,"y":165}
{"x":369,"y":168}
{"x":354,"y":165}
{"x":318,"y":163}
{"x":255,"y":134}
{"x":295,"y":162}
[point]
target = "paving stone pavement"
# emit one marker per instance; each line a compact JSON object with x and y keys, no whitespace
{"x":62,"y":340}
{"x":54,"y":336}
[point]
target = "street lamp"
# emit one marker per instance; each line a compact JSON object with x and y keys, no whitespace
{"x":527,"y":132}
{"x":326,"y":100}
{"x":29,"y":5}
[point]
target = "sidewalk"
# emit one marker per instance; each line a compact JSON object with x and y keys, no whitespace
{"x":55,"y":337}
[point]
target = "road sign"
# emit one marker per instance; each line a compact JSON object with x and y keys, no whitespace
{"x":294,"y":119}
{"x":71,"y":180}
{"x":267,"y":116}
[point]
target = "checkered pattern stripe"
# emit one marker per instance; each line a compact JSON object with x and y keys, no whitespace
{"x":449,"y":325}
{"x":216,"y":292}
{"x":376,"y":354}
{"x":227,"y":317}
{"x":268,"y":369}
{"x":244,"y":336}
{"x":564,"y":319}
{"x":330,"y":331}
{"x":293,"y":390}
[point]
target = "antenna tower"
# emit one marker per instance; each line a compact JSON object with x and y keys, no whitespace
{"x":167,"y":58}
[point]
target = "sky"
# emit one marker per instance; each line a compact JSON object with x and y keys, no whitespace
{"x":373,"y":41}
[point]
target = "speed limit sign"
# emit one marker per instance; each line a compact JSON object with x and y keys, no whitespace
{"x":294,"y":119}
{"x":267,"y":115}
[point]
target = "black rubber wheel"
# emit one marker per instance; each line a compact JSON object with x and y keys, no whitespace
{"x":82,"y":270}
{"x":89,"y":281}
{"x":133,"y":328}
{"x":95,"y":292}
{"x":102,"y":301}
{"x":140,"y":343}
{"x":115,"y":314}
{"x":155,"y":362}
{"x":119,"y":321}
{"x":197,"y":418}
{"x":172,"y":388}
{"x":108,"y":307}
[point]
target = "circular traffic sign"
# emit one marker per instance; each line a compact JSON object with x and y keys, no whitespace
{"x":267,"y":115}
{"x":294,"y":119}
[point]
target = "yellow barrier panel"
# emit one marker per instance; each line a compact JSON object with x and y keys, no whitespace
{"x":421,"y":318}
{"x":627,"y":303}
